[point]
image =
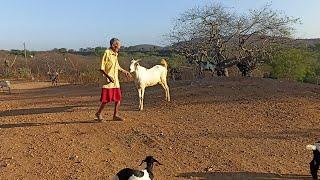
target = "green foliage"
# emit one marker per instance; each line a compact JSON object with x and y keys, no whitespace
{"x":21,"y":52}
{"x":176,"y":60}
{"x":62,"y":50}
{"x":98,"y":51}
{"x":317,"y":47}
{"x":294,"y":64}
{"x":24,"y":73}
{"x":314,"y":75}
{"x":71,"y":51}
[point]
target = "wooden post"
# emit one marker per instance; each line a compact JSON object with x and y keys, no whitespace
{"x":25,"y":53}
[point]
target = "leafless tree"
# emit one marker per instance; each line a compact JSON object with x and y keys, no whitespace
{"x":9,"y":65}
{"x":217,"y":34}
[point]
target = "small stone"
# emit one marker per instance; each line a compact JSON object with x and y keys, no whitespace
{"x":210,"y":169}
{"x":73,"y":157}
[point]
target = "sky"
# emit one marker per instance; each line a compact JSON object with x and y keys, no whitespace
{"x":44,"y":25}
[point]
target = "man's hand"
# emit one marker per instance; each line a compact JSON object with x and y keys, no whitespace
{"x":110,"y":79}
{"x":127,"y":74}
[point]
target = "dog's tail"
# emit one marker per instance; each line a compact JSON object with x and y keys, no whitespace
{"x":164,"y":63}
{"x":311,"y":147}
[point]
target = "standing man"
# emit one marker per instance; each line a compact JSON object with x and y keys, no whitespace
{"x":111,"y":90}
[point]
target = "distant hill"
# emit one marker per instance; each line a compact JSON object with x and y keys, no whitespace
{"x":309,"y":42}
{"x":143,"y":48}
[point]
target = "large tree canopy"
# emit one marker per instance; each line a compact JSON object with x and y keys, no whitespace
{"x":221,"y":35}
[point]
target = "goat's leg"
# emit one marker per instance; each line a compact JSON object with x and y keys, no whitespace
{"x":165,"y":90}
{"x":142,"y":98}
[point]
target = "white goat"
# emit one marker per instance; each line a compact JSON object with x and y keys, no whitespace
{"x":150,"y":77}
{"x":5,"y":84}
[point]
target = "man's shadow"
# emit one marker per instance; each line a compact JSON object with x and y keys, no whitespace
{"x":34,"y":124}
{"x":31,"y":111}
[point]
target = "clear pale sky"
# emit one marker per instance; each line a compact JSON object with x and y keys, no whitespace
{"x":48,"y":24}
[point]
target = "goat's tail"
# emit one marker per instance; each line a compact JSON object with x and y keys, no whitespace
{"x":311,"y":147}
{"x":164,"y":63}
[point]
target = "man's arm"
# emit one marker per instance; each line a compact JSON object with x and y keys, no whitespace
{"x":102,"y":68}
{"x":107,"y":76}
{"x":124,"y":71}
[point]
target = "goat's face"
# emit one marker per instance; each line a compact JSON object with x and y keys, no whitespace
{"x":150,"y":160}
{"x":133,"y":65}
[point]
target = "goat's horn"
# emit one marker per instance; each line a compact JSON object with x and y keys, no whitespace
{"x":142,"y":162}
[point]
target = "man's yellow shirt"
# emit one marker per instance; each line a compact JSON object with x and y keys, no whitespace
{"x":111,"y":66}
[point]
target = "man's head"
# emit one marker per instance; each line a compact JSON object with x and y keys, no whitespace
{"x":115,"y":44}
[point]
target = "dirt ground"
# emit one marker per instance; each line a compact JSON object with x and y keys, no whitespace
{"x":225,"y":128}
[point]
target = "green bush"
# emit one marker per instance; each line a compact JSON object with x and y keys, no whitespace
{"x":24,"y":73}
{"x":176,"y":61}
{"x":294,"y":64}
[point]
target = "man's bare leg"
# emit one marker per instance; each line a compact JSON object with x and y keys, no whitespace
{"x":98,"y":114}
{"x":116,"y":110}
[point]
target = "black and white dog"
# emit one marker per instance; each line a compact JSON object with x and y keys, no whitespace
{"x":132,"y":174}
{"x":314,"y":164}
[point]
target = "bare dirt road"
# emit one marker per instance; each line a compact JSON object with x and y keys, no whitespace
{"x":219,"y":129}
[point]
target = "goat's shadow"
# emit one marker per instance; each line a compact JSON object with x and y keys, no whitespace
{"x":240,"y":176}
{"x":129,"y":107}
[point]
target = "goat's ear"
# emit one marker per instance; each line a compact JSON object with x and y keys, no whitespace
{"x":157,"y":162}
